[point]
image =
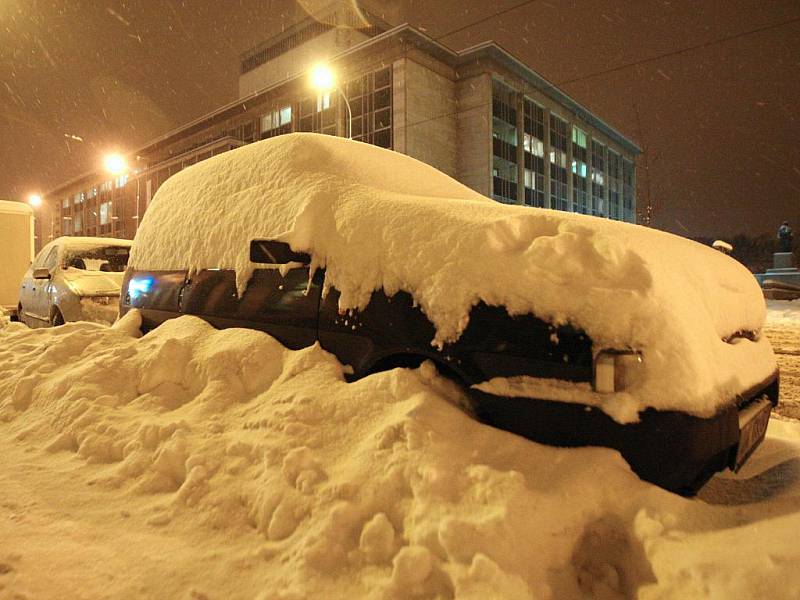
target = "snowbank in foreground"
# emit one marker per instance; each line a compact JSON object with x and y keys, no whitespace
{"x":196,"y":463}
{"x":377,"y":219}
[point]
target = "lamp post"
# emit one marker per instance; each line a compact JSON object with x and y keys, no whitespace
{"x":323,"y":79}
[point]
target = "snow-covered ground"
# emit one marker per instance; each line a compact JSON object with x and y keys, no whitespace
{"x":783,"y":320}
{"x":195,"y":463}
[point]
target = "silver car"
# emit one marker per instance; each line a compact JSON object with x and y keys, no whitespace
{"x":74,"y":279}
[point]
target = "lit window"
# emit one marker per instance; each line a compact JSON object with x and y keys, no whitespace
{"x":104,"y":213}
{"x":323,"y":102}
{"x":286,"y":115}
{"x":579,"y":137}
{"x":533,"y":146}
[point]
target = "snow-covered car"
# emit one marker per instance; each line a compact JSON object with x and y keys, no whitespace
{"x":74,"y":279}
{"x":567,"y":329}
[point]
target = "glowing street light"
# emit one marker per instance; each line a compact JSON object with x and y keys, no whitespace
{"x":35,"y":200}
{"x":323,"y":79}
{"x":115,"y":164}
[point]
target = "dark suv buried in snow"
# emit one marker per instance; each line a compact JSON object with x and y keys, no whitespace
{"x":674,"y":450}
{"x":566,"y":329}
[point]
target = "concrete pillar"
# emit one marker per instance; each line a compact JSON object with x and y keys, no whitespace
{"x":399,"y":106}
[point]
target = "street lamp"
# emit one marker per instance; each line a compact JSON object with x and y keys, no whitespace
{"x":115,"y":164}
{"x":35,"y":200}
{"x":323,"y":79}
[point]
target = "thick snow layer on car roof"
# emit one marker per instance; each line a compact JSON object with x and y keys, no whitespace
{"x":77,"y":243}
{"x":377,"y":219}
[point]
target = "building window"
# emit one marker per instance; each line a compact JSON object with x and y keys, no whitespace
{"x":317,"y":115}
{"x":370,"y":99}
{"x":628,"y":192}
{"x":77,"y":222}
{"x":104,"y":216}
{"x":558,"y":163}
{"x":580,"y":183}
{"x":276,"y":122}
{"x":504,"y":144}
{"x":598,"y":179}
{"x":533,"y":144}
{"x":614,"y":185}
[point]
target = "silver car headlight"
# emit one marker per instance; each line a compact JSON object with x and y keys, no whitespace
{"x":617,"y":370}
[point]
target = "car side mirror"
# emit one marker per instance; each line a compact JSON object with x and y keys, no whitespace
{"x":41,"y":274}
{"x":276,"y":253}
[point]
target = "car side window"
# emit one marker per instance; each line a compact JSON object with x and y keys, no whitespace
{"x":38,"y":262}
{"x":51,"y":260}
{"x":272,"y":252}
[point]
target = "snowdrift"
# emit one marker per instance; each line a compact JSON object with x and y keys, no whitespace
{"x":197,"y":463}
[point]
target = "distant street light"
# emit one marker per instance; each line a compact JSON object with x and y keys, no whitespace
{"x":35,"y":200}
{"x":115,"y":164}
{"x":323,"y":79}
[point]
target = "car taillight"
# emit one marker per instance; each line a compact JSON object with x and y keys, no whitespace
{"x":617,"y":370}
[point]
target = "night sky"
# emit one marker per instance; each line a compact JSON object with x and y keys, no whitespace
{"x":710,"y":89}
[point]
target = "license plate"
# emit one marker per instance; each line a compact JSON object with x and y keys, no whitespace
{"x":753,"y":422}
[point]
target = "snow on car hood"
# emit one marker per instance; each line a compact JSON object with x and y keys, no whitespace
{"x":93,"y":283}
{"x":378,"y":219}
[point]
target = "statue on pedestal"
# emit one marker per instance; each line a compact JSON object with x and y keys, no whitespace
{"x":785,"y":237}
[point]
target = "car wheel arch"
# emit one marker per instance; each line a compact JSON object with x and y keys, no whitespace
{"x":410,"y":359}
{"x":56,"y":318}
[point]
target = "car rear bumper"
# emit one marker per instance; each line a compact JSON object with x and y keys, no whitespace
{"x":674,"y":450}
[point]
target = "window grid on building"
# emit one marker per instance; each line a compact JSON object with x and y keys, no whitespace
{"x":370,"y":99}
{"x":504,"y":144}
{"x":580,"y":175}
{"x":317,"y":114}
{"x":599,"y":207}
{"x":614,"y":185}
{"x":558,"y":163}
{"x":627,"y":191}
{"x":533,"y":145}
{"x":276,"y":122}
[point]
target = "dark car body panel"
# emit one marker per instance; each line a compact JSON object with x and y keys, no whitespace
{"x":674,"y":450}
{"x":704,"y":445}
